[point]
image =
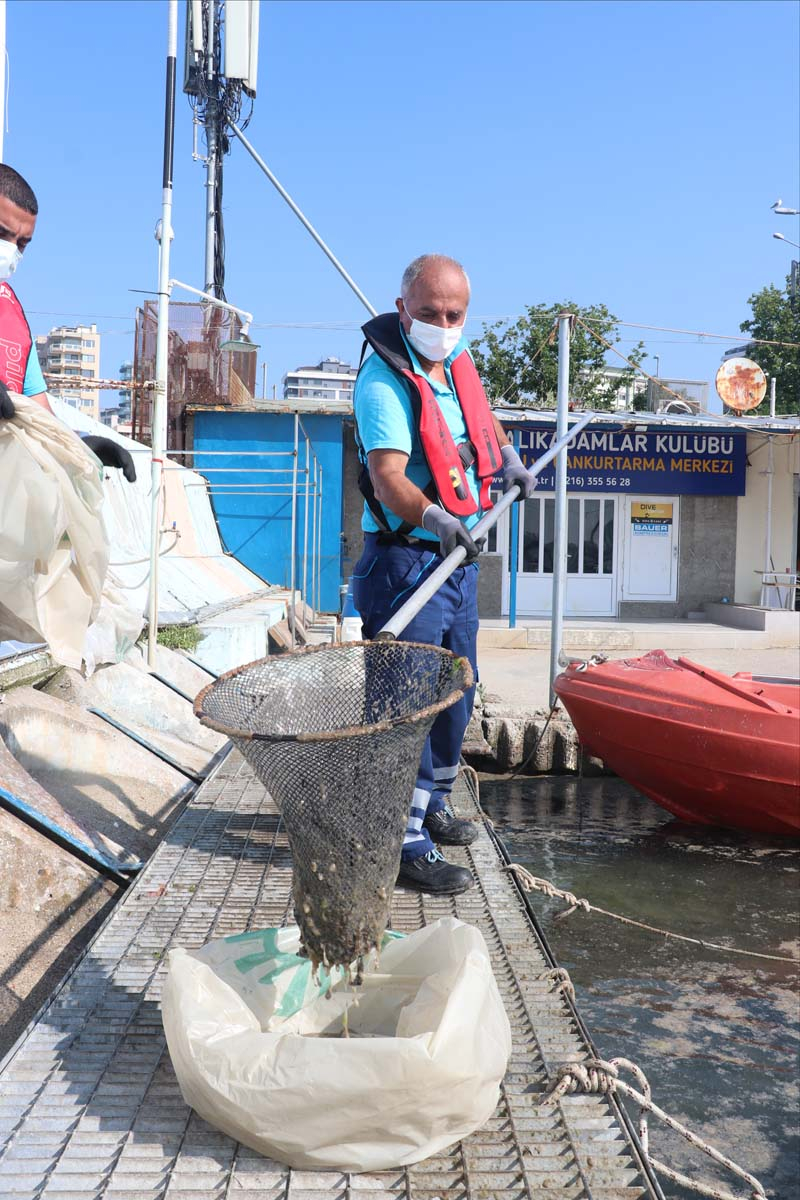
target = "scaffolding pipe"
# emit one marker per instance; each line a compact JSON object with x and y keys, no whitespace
{"x":319,"y":543}
{"x":314,"y":563}
{"x":159,"y":410}
{"x":560,"y":515}
{"x":305,"y":521}
{"x":3,"y":113}
{"x":302,"y":218}
{"x":292,"y":578}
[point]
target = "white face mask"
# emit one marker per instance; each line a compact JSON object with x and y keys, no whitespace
{"x":9,"y":259}
{"x":431,"y":341}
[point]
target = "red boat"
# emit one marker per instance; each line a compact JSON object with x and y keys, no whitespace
{"x":711,"y":748}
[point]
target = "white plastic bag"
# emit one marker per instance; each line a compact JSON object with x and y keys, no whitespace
{"x":428,"y":1047}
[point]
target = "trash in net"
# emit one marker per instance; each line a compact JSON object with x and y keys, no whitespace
{"x":335,"y":734}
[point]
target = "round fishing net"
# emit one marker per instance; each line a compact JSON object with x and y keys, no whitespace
{"x":335,"y":734}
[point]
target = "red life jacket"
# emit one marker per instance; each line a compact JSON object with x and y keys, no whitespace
{"x":15,"y":340}
{"x":446,"y":462}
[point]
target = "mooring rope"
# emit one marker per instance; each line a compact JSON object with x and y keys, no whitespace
{"x":596,"y":1076}
{"x":531,"y":883}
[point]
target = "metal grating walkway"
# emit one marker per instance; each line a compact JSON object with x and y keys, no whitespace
{"x":89,"y":1104}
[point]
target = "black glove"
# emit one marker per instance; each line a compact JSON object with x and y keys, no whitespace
{"x":7,"y":409}
{"x":515,"y":472}
{"x":450,"y":532}
{"x":111,"y":454}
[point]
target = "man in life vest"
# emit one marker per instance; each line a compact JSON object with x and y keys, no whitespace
{"x":430,"y":447}
{"x":19,"y":363}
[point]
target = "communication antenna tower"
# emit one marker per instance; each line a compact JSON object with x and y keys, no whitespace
{"x":219,"y":79}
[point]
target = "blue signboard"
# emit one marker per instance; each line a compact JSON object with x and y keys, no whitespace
{"x":672,"y":462}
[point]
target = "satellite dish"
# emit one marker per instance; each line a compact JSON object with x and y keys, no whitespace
{"x":741,"y":384}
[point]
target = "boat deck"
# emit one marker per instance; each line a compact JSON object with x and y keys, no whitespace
{"x":89,"y":1103}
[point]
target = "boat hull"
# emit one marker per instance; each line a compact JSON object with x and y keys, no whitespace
{"x":711,"y":749}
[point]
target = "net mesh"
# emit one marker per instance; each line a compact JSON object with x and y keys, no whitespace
{"x":335,"y":734}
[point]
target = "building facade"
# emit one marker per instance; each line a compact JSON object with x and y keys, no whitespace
{"x":330,"y":381}
{"x":73,"y":351}
{"x":124,"y":407}
{"x":662,"y":519}
{"x":665,"y":514}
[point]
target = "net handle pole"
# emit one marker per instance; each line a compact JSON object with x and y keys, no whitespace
{"x":404,"y":615}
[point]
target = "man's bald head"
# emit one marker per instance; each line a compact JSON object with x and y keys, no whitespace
{"x":431,"y":264}
{"x":434,"y":290}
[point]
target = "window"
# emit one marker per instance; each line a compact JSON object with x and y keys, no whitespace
{"x":89,"y":343}
{"x":590,"y":536}
{"x":87,"y":358}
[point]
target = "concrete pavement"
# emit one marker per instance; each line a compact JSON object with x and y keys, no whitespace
{"x":520,"y":676}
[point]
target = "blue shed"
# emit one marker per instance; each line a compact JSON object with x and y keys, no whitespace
{"x":248,"y":457}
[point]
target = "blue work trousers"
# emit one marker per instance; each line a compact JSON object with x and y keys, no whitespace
{"x":385,"y":577}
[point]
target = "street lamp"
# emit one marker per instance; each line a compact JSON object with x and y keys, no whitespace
{"x":777,"y":207}
{"x":241,"y":343}
{"x":788,"y":241}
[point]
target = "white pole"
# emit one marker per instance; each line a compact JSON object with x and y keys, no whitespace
{"x":292,"y":573}
{"x":305,"y":524}
{"x":560,"y":516}
{"x":319,"y":544}
{"x":158,"y":424}
{"x":314,"y":546}
{"x":770,"y":472}
{"x":3,"y":115}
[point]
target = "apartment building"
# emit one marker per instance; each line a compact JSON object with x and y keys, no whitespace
{"x":329,"y":381}
{"x":72,"y":350}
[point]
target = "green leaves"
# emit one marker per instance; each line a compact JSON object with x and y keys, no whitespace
{"x":775,"y":318}
{"x":519,"y":362}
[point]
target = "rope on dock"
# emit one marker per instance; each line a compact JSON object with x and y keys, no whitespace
{"x":598,"y":1076}
{"x":561,"y":982}
{"x":531,"y":883}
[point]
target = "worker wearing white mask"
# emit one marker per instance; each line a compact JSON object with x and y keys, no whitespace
{"x":19,"y":363}
{"x":430,"y":448}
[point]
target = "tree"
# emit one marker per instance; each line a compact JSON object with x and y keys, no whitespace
{"x":776,"y":318}
{"x":519,"y":363}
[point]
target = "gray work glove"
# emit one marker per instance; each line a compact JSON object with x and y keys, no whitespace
{"x":7,"y":409}
{"x":450,"y":532}
{"x":111,"y":454}
{"x":515,"y":472}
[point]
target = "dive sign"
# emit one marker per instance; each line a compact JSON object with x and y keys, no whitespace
{"x":676,"y":462}
{"x":650,"y":519}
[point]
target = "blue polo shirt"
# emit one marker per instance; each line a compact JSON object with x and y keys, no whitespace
{"x":34,"y":379}
{"x":385,"y":420}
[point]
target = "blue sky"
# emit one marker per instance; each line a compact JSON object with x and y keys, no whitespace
{"x":617,"y":153}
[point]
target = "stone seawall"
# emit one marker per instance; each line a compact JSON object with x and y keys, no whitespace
{"x":501,"y":736}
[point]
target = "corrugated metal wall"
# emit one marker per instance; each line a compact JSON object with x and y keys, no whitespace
{"x":251,"y":496}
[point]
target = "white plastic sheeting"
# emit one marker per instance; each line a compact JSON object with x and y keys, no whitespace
{"x":194,"y":571}
{"x":54,"y":551}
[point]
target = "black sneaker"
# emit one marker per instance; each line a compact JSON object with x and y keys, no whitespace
{"x":431,"y":873}
{"x":449,"y":830}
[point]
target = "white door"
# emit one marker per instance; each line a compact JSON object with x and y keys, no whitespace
{"x":650,"y":547}
{"x":591,"y":556}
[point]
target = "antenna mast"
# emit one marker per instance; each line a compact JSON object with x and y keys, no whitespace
{"x":221,"y":66}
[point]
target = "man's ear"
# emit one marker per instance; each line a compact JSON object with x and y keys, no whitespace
{"x":399,"y":305}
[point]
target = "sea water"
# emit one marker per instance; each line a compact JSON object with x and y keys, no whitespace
{"x":717,"y":1034}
